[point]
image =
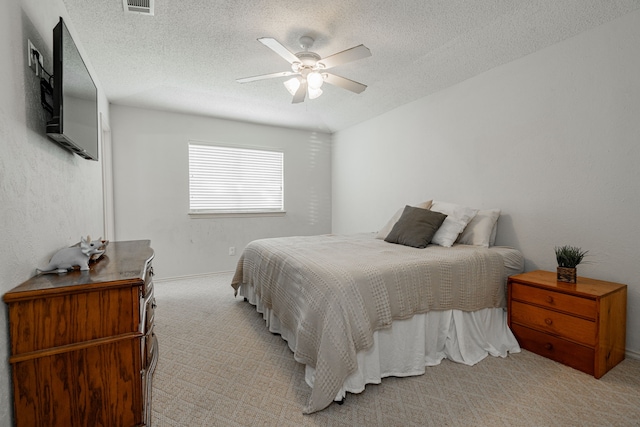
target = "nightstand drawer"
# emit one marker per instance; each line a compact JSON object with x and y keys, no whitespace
{"x":571,"y":354}
{"x":582,"y":325}
{"x":584,"y":307}
{"x":574,"y":328}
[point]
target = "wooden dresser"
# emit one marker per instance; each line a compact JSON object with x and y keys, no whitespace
{"x":83,"y":349}
{"x":582,"y":325}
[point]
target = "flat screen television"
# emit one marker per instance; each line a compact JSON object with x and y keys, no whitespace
{"x":74,"y":122}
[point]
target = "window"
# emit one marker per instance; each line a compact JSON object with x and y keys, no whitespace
{"x":234,"y":180}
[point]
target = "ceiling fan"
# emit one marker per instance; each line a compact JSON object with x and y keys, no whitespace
{"x":308,"y":69}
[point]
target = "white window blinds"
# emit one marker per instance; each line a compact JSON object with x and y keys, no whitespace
{"x":234,"y":180}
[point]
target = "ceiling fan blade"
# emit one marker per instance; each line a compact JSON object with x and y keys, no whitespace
{"x":266,"y":76}
{"x":344,"y":83}
{"x":345,"y":56}
{"x":300,"y":93}
{"x":275,"y":46}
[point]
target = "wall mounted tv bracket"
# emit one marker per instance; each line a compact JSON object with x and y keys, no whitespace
{"x":36,"y":62}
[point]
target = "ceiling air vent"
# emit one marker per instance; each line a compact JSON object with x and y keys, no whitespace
{"x":140,"y":7}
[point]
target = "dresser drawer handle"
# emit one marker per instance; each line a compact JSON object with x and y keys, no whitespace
{"x":549,"y":299}
{"x":548,"y":321}
{"x":548,"y":346}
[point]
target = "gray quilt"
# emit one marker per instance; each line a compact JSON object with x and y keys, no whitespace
{"x":334,"y":291}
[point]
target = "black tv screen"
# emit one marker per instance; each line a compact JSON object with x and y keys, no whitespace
{"x":74,"y":122}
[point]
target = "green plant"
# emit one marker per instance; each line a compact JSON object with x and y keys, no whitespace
{"x":569,"y":256}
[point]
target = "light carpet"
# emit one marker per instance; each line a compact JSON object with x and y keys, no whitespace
{"x":220,"y":366}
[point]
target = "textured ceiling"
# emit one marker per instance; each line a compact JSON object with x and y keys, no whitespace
{"x":186,"y":58}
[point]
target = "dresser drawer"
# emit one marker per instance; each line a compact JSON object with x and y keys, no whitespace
{"x":575,"y":328}
{"x":584,"y":307}
{"x":147,"y":375}
{"x":149,"y":348}
{"x":150,"y":313}
{"x":148,"y":278}
{"x":152,"y":349}
{"x":566,"y":352}
{"x":147,"y":309}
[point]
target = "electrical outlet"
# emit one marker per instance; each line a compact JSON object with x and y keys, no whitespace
{"x":232,"y":250}
{"x":31,"y":57}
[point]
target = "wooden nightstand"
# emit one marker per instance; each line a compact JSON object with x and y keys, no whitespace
{"x":582,"y":325}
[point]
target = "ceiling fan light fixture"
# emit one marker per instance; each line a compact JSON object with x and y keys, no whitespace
{"x":292,"y":85}
{"x":315,"y":80}
{"x":314,"y":93}
{"x":309,"y":69}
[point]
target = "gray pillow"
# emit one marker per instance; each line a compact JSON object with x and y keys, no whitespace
{"x":415,"y":227}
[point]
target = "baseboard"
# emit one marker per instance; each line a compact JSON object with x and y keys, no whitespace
{"x":632,"y":354}
{"x":191,"y":276}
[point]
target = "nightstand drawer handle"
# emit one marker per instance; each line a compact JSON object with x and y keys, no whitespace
{"x":548,"y":346}
{"x":549,"y":299}
{"x":548,"y":321}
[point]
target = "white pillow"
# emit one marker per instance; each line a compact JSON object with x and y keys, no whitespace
{"x":458,"y":217}
{"x":494,"y":232}
{"x":479,"y":231}
{"x":384,"y":231}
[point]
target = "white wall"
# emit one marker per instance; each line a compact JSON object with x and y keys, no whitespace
{"x":552,"y":139}
{"x":48,"y":196}
{"x":151,"y":188}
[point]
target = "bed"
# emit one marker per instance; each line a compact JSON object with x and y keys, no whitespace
{"x":355,"y":308}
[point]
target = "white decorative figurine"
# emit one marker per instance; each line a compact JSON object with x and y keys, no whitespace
{"x":68,"y":258}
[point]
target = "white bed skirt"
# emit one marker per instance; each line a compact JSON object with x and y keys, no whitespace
{"x":410,"y":345}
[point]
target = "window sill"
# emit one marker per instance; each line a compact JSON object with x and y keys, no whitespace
{"x":205,"y":215}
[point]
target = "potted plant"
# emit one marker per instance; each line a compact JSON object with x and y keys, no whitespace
{"x":568,"y":258}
